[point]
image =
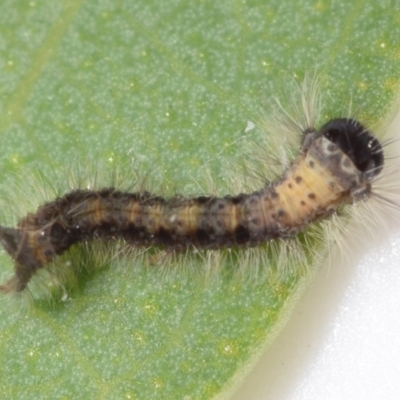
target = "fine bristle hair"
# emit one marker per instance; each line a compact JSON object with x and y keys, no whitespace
{"x":286,"y":133}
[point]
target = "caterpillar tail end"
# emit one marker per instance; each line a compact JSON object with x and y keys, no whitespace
{"x":10,"y":238}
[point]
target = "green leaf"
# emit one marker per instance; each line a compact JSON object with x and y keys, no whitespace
{"x":168,"y":86}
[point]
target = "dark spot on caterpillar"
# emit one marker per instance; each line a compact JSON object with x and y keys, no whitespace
{"x":256,"y":221}
{"x":49,"y":253}
{"x":122,"y":219}
{"x":236,"y":199}
{"x":202,"y":236}
{"x":272,"y":195}
{"x":241,"y":235}
{"x":57,"y":233}
{"x":332,"y":148}
{"x":203,"y":200}
{"x":311,"y":196}
{"x":298,"y":179}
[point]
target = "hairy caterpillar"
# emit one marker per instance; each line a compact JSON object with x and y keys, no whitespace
{"x":337,"y":164}
{"x":286,"y":246}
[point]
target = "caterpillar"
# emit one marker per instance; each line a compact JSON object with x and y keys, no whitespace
{"x":337,"y":164}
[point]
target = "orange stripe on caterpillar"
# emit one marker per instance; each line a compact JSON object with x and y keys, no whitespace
{"x":336,"y":165}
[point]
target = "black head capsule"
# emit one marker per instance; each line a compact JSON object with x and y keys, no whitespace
{"x":357,"y":143}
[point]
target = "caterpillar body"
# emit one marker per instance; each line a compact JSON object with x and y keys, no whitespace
{"x":337,"y":164}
